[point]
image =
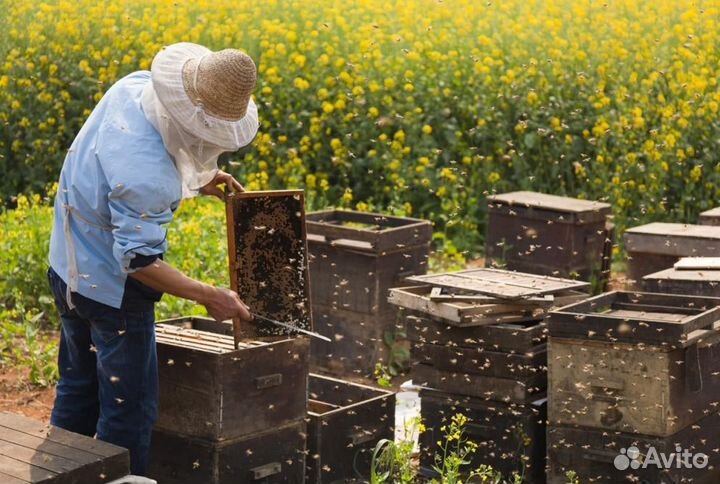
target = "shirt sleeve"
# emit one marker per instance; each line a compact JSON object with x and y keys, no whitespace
{"x":138,"y":213}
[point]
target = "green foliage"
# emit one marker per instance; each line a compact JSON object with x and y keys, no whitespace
{"x":392,"y":462}
{"x":24,"y":239}
{"x":24,"y":344}
{"x":422,"y":107}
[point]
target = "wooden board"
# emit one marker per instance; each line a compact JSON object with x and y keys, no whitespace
{"x":694,"y":283}
{"x":345,"y":422}
{"x":31,"y":452}
{"x":698,"y":263}
{"x":505,"y":337}
{"x":481,"y":361}
{"x":499,"y":283}
{"x":710,"y":217}
{"x":276,"y":456}
{"x":490,"y":388}
{"x":268,"y":259}
{"x":635,"y":317}
{"x":672,"y":239}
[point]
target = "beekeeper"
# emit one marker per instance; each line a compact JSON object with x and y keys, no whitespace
{"x":152,"y":140}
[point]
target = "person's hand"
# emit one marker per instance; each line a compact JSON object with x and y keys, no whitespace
{"x":224,"y":304}
{"x":221,"y":178}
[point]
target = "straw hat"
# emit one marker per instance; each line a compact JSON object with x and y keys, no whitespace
{"x":208,"y":93}
{"x":221,"y":82}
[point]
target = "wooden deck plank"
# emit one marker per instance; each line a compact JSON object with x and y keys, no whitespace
{"x":58,"y":435}
{"x":24,"y":472}
{"x":8,"y":479}
{"x":32,"y":442}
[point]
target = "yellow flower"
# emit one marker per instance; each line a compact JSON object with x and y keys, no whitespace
{"x":427,"y":129}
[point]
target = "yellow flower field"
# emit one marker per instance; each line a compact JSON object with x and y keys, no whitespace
{"x":417,"y":107}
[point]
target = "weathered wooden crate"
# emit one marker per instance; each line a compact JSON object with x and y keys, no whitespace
{"x":635,"y":317}
{"x":268,"y":259}
{"x":275,"y":456}
{"x":510,"y":438}
{"x":508,"y":337}
{"x":645,"y":389}
{"x":210,"y":390}
{"x":699,"y":277}
{"x":657,"y":246}
{"x":355,"y":258}
{"x":594,"y":454}
{"x":481,"y":361}
{"x":32,"y":452}
{"x":345,"y":422}
{"x":547,"y":234}
{"x":710,"y":217}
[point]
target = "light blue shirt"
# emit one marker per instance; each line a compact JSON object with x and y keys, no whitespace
{"x":118,"y":186}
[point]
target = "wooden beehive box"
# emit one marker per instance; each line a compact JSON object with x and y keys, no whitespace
{"x":695,"y":276}
{"x":710,"y":217}
{"x":210,"y":390}
{"x":593,"y":453}
{"x":268,"y":259}
{"x":274,"y":456}
{"x":634,"y":362}
{"x":548,"y":234}
{"x":32,"y":452}
{"x":355,"y":258}
{"x":657,"y":246}
{"x":345,"y":422}
{"x":510,"y":438}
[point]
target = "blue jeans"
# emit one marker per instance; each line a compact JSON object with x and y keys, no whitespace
{"x":108,"y":373}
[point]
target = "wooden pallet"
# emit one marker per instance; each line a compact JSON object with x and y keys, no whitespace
{"x":31,"y":452}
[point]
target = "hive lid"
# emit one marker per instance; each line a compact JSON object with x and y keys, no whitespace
{"x":674,"y":239}
{"x":713,"y":212}
{"x":500,"y":283}
{"x":586,"y":210}
{"x":267,"y":251}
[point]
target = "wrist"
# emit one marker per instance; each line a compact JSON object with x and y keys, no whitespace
{"x":205,"y":293}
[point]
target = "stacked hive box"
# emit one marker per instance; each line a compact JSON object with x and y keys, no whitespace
{"x":229,"y":415}
{"x":694,"y":276}
{"x":550,"y":235}
{"x":354,"y":259}
{"x":484,"y":356}
{"x":233,"y":397}
{"x":710,"y":217}
{"x":657,"y":246}
{"x":633,"y":370}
